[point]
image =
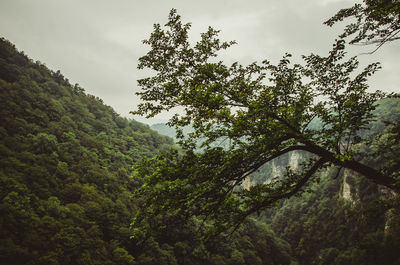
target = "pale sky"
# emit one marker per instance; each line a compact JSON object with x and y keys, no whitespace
{"x":97,"y":43}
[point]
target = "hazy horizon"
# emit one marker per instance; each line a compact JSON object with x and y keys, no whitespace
{"x":97,"y":43}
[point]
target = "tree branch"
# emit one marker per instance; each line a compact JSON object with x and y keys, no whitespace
{"x":271,"y":199}
{"x":354,"y":165}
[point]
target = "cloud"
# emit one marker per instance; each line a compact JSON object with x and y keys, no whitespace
{"x":97,"y":43}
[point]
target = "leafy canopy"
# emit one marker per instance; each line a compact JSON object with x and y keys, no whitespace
{"x":244,"y":117}
{"x":375,"y":22}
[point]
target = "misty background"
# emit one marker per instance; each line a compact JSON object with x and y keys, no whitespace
{"x":97,"y":43}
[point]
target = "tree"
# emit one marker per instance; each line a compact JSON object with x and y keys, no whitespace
{"x":262,"y":110}
{"x":376,"y":22}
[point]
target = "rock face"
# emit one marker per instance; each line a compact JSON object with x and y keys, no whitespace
{"x":294,"y":160}
{"x":246,"y":184}
{"x":350,"y":189}
{"x":346,"y":189}
{"x":274,"y":169}
{"x":279,"y":165}
{"x":350,"y":193}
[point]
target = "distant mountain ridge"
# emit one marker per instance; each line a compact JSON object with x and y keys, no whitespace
{"x":164,"y":129}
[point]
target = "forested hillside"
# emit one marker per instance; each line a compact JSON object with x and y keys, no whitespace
{"x":345,"y":219}
{"x":326,"y":227}
{"x":65,"y":169}
{"x":67,"y":182}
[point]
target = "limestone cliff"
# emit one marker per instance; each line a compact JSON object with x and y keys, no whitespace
{"x":274,"y":169}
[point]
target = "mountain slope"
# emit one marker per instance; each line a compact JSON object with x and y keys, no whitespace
{"x":67,"y":183}
{"x":65,"y":166}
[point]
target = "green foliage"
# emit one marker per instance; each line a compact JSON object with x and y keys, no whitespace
{"x":68,"y":193}
{"x":374,"y":22}
{"x":324,"y":228}
{"x":66,"y":182}
{"x":263,"y":110}
{"x":65,"y":169}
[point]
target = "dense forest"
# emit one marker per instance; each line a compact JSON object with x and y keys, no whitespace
{"x":307,"y":147}
{"x":67,"y":182}
{"x":344,"y":219}
{"x":286,"y":163}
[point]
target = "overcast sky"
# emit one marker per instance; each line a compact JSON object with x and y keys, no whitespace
{"x":97,"y":43}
